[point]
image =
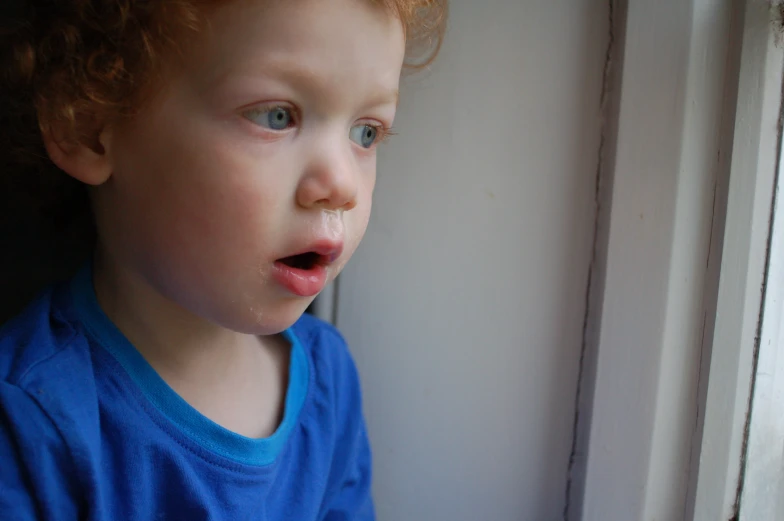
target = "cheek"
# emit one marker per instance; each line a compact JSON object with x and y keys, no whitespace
{"x":194,"y":195}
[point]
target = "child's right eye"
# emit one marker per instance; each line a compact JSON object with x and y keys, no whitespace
{"x":273,"y":118}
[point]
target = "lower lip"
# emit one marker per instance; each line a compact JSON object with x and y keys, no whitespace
{"x":303,"y":283}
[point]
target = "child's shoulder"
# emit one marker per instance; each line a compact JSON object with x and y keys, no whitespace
{"x":331,"y":359}
{"x":44,"y":338}
{"x":322,"y":341}
{"x":312,"y":331}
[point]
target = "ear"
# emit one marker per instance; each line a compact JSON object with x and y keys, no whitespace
{"x":87,"y":162}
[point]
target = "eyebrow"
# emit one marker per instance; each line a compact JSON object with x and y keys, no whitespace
{"x":310,"y":79}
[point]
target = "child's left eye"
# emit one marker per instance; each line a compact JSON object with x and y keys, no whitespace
{"x":273,"y":118}
{"x":364,"y":135}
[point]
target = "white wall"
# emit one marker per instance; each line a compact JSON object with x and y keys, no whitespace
{"x":464,"y":306}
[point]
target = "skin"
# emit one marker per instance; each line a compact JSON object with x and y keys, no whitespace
{"x":197,"y":195}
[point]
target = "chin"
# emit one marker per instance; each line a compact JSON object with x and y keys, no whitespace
{"x":264,"y":320}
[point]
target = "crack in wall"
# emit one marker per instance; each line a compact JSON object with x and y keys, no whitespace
{"x":715,"y":248}
{"x":714,"y":253}
{"x":601,"y":172}
{"x":694,"y":446}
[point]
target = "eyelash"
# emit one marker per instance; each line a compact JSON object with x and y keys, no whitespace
{"x":383,"y":133}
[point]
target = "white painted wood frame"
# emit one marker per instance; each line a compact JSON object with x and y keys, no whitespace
{"x":747,"y":235}
{"x":762,"y":494}
{"x":692,"y":190}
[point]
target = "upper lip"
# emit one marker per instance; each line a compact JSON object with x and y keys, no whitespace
{"x":328,"y":250}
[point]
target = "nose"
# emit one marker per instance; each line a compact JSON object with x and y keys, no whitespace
{"x":330,"y":181}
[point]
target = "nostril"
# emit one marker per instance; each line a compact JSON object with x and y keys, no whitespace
{"x":328,"y":190}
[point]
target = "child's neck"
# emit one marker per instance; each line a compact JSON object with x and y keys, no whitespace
{"x":236,"y":380}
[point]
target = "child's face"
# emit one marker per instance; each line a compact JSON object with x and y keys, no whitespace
{"x":260,"y":149}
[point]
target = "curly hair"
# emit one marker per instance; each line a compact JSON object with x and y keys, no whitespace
{"x":74,"y":62}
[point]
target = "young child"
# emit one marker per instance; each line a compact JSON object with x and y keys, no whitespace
{"x":229,"y":148}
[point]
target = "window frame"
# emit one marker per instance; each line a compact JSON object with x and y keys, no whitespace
{"x":696,"y":153}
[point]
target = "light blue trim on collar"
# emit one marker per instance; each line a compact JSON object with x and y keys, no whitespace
{"x":193,"y":424}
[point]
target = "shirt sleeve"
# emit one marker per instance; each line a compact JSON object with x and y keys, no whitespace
{"x":352,"y":499}
{"x":37,"y":476}
{"x":348,"y":493}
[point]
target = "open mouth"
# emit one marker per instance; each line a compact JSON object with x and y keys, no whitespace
{"x":305,"y":274}
{"x":303,"y":261}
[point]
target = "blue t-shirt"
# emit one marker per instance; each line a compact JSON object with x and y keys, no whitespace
{"x":89,"y":431}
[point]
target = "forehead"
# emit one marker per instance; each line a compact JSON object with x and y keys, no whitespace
{"x":355,"y":38}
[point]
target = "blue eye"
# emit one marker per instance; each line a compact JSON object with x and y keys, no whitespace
{"x":364,"y":135}
{"x":275,"y":118}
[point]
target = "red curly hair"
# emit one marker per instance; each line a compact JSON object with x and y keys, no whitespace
{"x":75,"y":62}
